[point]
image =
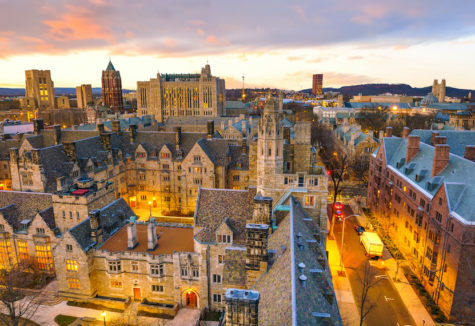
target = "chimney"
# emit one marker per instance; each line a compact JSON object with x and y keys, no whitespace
{"x":262,"y":213}
{"x":244,"y":146}
{"x":38,"y":125}
{"x":132,"y":233}
{"x":133,"y":133}
{"x":70,"y":150}
{"x":441,"y":158}
{"x":286,"y":134}
{"x":412,"y":147}
{"x":440,"y":140}
{"x":470,"y":152}
{"x":96,"y":228}
{"x":106,"y":141}
{"x":100,"y":127}
{"x":388,"y":132}
{"x":57,"y":134}
{"x":151,"y":235}
{"x":210,"y":125}
{"x":178,"y":137}
{"x":405,"y":132}
{"x":116,"y":126}
{"x":432,"y":138}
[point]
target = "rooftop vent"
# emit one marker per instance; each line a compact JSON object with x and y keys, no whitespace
{"x":401,"y":162}
{"x":410,"y":168}
{"x":301,"y":245}
{"x":303,"y":280}
{"x":421,"y":175}
{"x":301,"y":267}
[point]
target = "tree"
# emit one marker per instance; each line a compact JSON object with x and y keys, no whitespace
{"x":359,"y":168}
{"x":337,"y":167}
{"x":368,"y":281}
{"x":19,"y":294}
{"x":372,"y":118}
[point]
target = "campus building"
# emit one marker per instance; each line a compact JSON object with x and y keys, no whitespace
{"x":112,"y":89}
{"x":39,"y":90}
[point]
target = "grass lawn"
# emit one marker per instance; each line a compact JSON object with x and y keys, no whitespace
{"x":63,"y":320}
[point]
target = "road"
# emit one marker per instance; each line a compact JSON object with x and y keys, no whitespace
{"x":389,"y":309}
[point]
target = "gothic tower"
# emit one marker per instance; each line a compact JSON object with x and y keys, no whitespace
{"x":112,"y":89}
{"x":270,"y":147}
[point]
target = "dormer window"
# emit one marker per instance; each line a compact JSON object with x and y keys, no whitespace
{"x":197,"y":158}
{"x":140,"y":154}
{"x":40,"y":230}
{"x":165,"y":155}
{"x":224,"y":238}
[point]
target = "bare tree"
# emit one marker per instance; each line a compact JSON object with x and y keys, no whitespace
{"x":359,"y":169}
{"x":368,"y":281}
{"x":337,"y":169}
{"x":19,"y":294}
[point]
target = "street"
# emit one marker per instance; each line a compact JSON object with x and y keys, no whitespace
{"x":390,"y":309}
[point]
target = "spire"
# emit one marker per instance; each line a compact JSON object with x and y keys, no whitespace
{"x":110,"y":66}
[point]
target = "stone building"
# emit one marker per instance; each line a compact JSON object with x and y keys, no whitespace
{"x":40,"y":89}
{"x":112,"y":89}
{"x":358,"y":145}
{"x":84,"y":95}
{"x":181,"y":95}
{"x":62,"y":102}
{"x":420,"y":189}
{"x":439,"y":90}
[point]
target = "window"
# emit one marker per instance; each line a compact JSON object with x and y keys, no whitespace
{"x":135,"y":266}
{"x":315,"y":182}
{"x":217,"y":298}
{"x":195,"y":273}
{"x":166,"y":178}
{"x":157,"y":288}
{"x":438,"y":216}
{"x":166,"y":166}
{"x":196,"y":158}
{"x":422,"y":203}
{"x":73,"y":283}
{"x":23,"y":253}
{"x":116,"y":284}
{"x":197,"y":181}
{"x":220,"y":259}
{"x":71,"y":265}
{"x":142,"y":176}
{"x":69,"y":248}
{"x":140,"y":154}
{"x":184,"y":271}
{"x":43,"y":257}
{"x":197,"y":170}
{"x":40,"y":230}
{"x":70,"y":214}
{"x":165,"y":155}
{"x":309,"y":201}
{"x":235,"y":178}
{"x":216,"y":278}
{"x":156,"y":269}
{"x":440,"y":201}
{"x":77,"y":215}
{"x":224,"y":238}
{"x":114,"y":266}
{"x":143,"y":197}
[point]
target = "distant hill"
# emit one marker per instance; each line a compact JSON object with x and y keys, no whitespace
{"x":58,"y":91}
{"x":377,"y":89}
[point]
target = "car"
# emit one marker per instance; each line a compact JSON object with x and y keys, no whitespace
{"x":339,"y":214}
{"x":359,"y":229}
{"x":338,"y":205}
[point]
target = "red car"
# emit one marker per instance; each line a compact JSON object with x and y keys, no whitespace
{"x":338,"y":205}
{"x":339,"y":214}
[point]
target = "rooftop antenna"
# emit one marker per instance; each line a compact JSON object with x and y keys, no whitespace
{"x":243,"y":96}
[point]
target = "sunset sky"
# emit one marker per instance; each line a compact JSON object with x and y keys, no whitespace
{"x":274,"y":43}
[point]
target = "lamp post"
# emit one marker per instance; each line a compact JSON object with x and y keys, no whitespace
{"x":150,"y":208}
{"x":104,"y":317}
{"x":343,"y":237}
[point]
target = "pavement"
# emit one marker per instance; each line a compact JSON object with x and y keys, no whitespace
{"x":412,"y":302}
{"x":143,"y":214}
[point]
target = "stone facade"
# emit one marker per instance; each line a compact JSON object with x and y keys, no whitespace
{"x":84,"y":95}
{"x":40,"y":88}
{"x":112,"y":89}
{"x":439,"y":90}
{"x":181,"y":95}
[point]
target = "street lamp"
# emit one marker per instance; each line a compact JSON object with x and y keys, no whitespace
{"x":343,"y":219}
{"x":104,"y":317}
{"x":150,"y":207}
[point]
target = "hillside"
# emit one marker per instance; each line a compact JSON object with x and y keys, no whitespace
{"x":58,"y":91}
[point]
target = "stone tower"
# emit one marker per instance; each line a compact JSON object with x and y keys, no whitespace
{"x":270,"y":147}
{"x":112,"y":88}
{"x":439,"y":90}
{"x":40,"y":88}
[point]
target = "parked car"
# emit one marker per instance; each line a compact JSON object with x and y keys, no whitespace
{"x":338,"y":205}
{"x":339,"y":214}
{"x":359,"y":229}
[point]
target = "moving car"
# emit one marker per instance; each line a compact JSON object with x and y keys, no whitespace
{"x":372,"y":244}
{"x":359,"y":229}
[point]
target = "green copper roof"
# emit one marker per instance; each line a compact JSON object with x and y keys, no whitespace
{"x":110,"y":66}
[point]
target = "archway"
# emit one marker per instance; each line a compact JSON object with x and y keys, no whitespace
{"x":191,"y":300}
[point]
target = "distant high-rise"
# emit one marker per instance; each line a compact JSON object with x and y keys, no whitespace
{"x":112,"y":89}
{"x":439,"y":90}
{"x":83,"y":95}
{"x":317,"y":84}
{"x":40,"y":88}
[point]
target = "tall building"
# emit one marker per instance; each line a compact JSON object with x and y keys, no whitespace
{"x":40,"y":88}
{"x":112,"y":88}
{"x":181,"y":95}
{"x":84,"y":95}
{"x":317,"y":84}
{"x":439,"y":90}
{"x":421,"y":189}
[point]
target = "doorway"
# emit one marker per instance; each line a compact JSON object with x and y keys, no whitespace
{"x":191,"y":299}
{"x":137,"y":295}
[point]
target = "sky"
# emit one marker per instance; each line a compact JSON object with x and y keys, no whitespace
{"x":273,"y":43}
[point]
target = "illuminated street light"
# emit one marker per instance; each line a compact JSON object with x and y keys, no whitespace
{"x":104,"y":317}
{"x":150,"y":207}
{"x":343,"y":219}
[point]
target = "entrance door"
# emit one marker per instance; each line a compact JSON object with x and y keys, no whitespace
{"x":132,"y":203}
{"x":191,"y":299}
{"x":137,"y":295}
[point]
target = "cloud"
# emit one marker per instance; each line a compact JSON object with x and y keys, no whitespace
{"x":356,"y":57}
{"x":212,"y":40}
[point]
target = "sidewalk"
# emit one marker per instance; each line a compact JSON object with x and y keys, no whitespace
{"x":344,"y":295}
{"x":408,"y":296}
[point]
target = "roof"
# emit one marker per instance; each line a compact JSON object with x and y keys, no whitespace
{"x":458,"y":171}
{"x":170,"y":239}
{"x":110,"y":66}
{"x":112,"y":218}
{"x":234,"y":271}
{"x":283,"y":299}
{"x":456,"y":139}
{"x":213,"y":206}
{"x":16,"y":206}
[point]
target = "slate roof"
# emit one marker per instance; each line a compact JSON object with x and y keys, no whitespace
{"x":112,"y":218}
{"x":283,"y":299}
{"x":234,"y":271}
{"x":55,"y":164}
{"x":456,"y":139}
{"x":237,"y":156}
{"x":458,"y":171}
{"x":16,"y":206}
{"x":213,"y":206}
{"x":216,"y":149}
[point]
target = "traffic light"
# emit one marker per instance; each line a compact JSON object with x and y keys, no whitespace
{"x":329,"y":172}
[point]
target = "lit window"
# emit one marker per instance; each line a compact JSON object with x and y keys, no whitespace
{"x":73,"y":283}
{"x":71,"y":265}
{"x":309,"y":201}
{"x":23,"y":253}
{"x":220,"y":259}
{"x":43,"y":257}
{"x":116,"y":284}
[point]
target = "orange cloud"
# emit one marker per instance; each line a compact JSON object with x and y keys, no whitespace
{"x":200,"y":31}
{"x":196,"y":22}
{"x":75,"y":25}
{"x":169,"y":43}
{"x":212,"y":39}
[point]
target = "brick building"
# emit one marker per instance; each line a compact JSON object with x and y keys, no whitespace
{"x":420,"y":188}
{"x":112,"y":89}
